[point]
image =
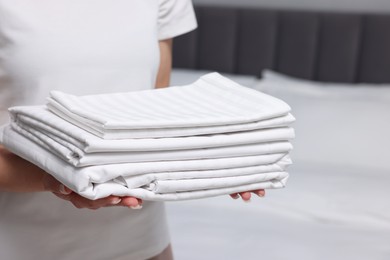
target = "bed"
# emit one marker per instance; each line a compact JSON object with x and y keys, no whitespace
{"x":334,"y":71}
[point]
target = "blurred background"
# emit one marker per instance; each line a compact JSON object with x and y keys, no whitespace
{"x":330,"y":61}
{"x":320,"y":5}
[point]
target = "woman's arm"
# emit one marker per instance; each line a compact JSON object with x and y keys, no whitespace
{"x":164,"y":71}
{"x":19,"y":175}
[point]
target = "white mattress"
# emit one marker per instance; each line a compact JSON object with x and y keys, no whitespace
{"x":335,"y":205}
{"x":325,"y":212}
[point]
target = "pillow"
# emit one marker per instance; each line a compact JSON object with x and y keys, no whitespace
{"x":336,"y":124}
{"x":335,"y":90}
{"x":181,"y":77}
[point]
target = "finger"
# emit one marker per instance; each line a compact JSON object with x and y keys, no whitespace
{"x":65,"y":190}
{"x":234,"y":196}
{"x":132,"y":202}
{"x":81,"y":202}
{"x":260,"y":193}
{"x":246,"y":196}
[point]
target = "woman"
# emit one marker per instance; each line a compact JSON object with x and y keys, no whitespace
{"x":81,"y":47}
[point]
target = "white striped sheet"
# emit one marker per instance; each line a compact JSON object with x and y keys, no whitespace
{"x":81,"y":159}
{"x":147,"y":179}
{"x":45,"y":131}
{"x":78,"y":158}
{"x":49,"y":146}
{"x":47,"y":125}
{"x":104,"y":173}
{"x":118,"y":134}
{"x":79,"y":150}
{"x":101,"y":173}
{"x":173,"y":155}
{"x":218,"y":101}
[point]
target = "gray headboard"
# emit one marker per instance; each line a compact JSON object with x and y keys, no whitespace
{"x":337,"y":47}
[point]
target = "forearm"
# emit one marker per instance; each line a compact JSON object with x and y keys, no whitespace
{"x":164,"y":71}
{"x":19,"y":175}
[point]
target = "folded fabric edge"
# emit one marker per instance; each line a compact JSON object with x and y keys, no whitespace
{"x":218,"y":80}
{"x":185,"y":185}
{"x":200,"y":194}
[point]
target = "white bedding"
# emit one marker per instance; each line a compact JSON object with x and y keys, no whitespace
{"x":82,"y":148}
{"x":107,"y":164}
{"x":81,"y":180}
{"x":87,"y":159}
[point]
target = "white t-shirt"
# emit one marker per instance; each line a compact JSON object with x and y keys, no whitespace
{"x":81,"y":47}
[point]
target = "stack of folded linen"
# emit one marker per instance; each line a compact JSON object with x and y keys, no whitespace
{"x":205,"y":139}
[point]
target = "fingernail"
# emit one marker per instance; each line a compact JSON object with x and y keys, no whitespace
{"x":247,"y":201}
{"x":116,"y":201}
{"x":235,"y":197}
{"x":64,"y":191}
{"x":260,"y":194}
{"x":136,"y":207}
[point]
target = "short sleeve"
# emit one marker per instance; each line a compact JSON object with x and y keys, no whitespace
{"x":175,"y":17}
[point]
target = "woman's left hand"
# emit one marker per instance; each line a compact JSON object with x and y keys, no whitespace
{"x":246,"y":195}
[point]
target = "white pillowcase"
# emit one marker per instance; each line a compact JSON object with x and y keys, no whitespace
{"x":336,"y":123}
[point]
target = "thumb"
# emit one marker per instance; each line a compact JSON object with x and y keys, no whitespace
{"x":51,"y":184}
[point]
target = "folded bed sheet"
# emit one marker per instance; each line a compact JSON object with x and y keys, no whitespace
{"x":38,"y":120}
{"x":181,"y":180}
{"x":212,"y":101}
{"x":81,"y":148}
{"x":179,"y":131}
{"x":149,"y":156}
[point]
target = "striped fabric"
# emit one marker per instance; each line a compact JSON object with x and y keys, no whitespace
{"x":80,"y":148}
{"x":213,"y":100}
{"x":214,"y":137}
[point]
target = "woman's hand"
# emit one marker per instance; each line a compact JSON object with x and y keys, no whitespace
{"x":19,"y":175}
{"x":246,"y":196}
{"x":58,"y":189}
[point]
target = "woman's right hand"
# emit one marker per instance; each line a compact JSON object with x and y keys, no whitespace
{"x":19,"y":175}
{"x":58,"y":189}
